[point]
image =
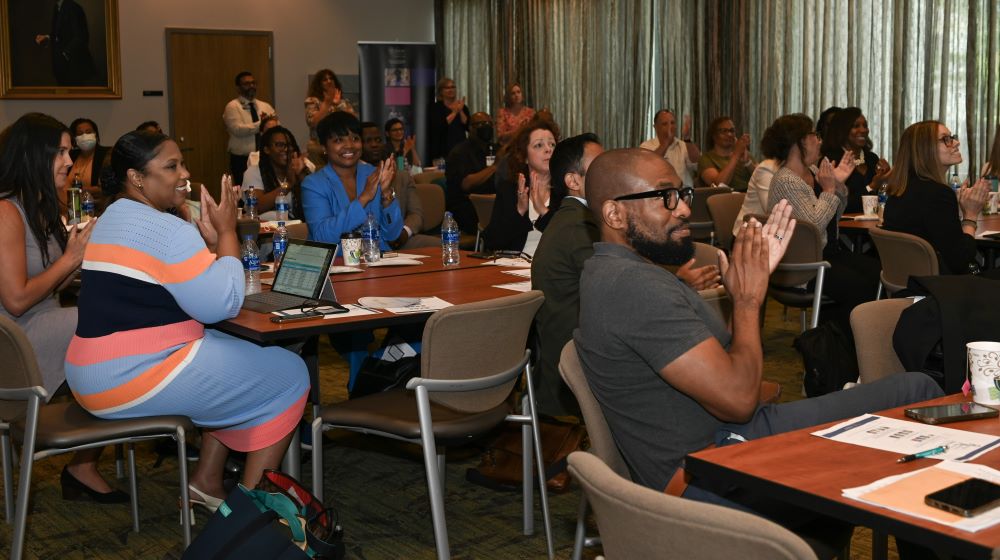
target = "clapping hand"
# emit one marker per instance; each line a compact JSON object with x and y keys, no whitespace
{"x":522,"y":195}
{"x":701,"y":278}
{"x":971,"y":199}
{"x":539,"y":193}
{"x":217,"y":217}
{"x":386,"y":174}
{"x":747,"y":276}
{"x":742,"y":148}
{"x":686,"y":127}
{"x":826,"y":176}
{"x":845,"y":167}
{"x":409,"y":144}
{"x":296,"y":166}
{"x":778,"y":232}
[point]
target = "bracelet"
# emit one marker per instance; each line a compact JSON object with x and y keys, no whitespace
{"x":972,"y":223}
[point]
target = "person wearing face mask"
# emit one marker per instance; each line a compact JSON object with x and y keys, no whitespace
{"x":89,"y":157}
{"x":470,"y":170}
{"x":523,"y":184}
{"x":848,"y":132}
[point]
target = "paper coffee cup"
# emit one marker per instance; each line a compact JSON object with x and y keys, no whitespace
{"x":869,"y":204}
{"x":350,"y":245}
{"x":983,"y":367}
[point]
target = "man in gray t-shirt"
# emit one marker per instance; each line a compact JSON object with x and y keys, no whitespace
{"x":670,"y":377}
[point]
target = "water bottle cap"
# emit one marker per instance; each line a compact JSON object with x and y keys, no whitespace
{"x":281,"y":223}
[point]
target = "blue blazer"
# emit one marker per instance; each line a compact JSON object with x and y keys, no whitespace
{"x":330,"y":214}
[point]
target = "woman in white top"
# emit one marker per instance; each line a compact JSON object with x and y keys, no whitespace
{"x":755,"y":201}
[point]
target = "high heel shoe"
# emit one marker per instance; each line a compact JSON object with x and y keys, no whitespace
{"x":211,"y":503}
{"x":73,"y":489}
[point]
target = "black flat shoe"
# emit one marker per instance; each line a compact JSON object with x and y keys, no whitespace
{"x":73,"y":489}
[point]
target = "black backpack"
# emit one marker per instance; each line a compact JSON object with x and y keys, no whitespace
{"x":829,"y":357}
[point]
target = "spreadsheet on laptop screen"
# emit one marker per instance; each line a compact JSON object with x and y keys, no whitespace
{"x":302,"y":270}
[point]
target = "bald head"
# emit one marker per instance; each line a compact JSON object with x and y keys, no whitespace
{"x":624,"y":171}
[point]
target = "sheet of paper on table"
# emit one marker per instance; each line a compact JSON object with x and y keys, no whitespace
{"x":423,"y":306}
{"x":863,"y":218}
{"x":273,"y":224}
{"x":522,"y":272}
{"x":396,"y":261}
{"x":395,"y":255}
{"x":905,"y":493}
{"x":984,"y":233}
{"x":516,"y":286}
{"x":506,"y":261}
{"x":905,"y":437}
{"x":341,"y":269}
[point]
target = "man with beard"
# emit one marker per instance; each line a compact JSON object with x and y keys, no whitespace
{"x":243,"y":117}
{"x":670,"y":377}
{"x":373,"y":151}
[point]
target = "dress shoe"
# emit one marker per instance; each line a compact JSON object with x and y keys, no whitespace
{"x":73,"y":489}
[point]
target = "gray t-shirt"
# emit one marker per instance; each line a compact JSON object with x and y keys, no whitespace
{"x":635,"y":318}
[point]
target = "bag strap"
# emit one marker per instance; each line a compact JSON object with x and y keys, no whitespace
{"x":283,"y":506}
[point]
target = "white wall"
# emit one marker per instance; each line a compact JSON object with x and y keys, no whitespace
{"x":308,"y":35}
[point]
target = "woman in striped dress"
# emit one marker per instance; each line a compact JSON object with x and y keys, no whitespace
{"x":150,"y":283}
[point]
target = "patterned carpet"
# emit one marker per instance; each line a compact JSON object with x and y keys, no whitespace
{"x":378,"y":487}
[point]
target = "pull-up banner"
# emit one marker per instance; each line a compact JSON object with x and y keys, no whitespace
{"x":397,"y":81}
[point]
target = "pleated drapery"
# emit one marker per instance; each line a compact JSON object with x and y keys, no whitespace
{"x":608,"y":65}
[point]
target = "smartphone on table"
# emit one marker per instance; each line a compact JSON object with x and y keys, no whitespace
{"x":967,"y":498}
{"x":950,"y":413}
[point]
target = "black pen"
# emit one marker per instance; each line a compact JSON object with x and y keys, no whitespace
{"x":922,"y":454}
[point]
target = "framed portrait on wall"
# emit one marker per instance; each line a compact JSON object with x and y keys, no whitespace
{"x":59,"y":49}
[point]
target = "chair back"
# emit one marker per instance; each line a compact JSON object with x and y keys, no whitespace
{"x":428,"y":177}
{"x":483,"y":203}
{"x":20,"y":368}
{"x":602,"y":443}
{"x":700,"y":220}
{"x":806,"y":246}
{"x":298,"y":231}
{"x":476,"y":340}
{"x":723,"y":208}
{"x":903,"y":255}
{"x":637,"y":522}
{"x":432,"y":203}
{"x":873,"y":324}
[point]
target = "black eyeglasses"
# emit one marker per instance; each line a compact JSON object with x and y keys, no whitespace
{"x":670,"y":196}
{"x":949,"y":140}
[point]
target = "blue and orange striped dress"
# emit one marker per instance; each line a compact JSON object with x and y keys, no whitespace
{"x":149,"y":286}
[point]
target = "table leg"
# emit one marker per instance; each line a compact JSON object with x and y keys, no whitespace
{"x":880,"y":545}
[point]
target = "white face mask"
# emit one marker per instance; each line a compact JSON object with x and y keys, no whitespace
{"x":86,"y":142}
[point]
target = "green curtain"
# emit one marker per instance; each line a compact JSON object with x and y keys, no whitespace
{"x":608,"y":66}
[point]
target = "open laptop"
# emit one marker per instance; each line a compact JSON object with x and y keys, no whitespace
{"x":303,"y":276}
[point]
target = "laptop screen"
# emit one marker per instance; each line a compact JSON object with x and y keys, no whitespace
{"x":304,"y":268}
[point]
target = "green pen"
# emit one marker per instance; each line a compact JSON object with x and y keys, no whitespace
{"x":922,"y":454}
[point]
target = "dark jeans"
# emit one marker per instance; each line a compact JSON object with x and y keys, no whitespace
{"x":826,"y":536}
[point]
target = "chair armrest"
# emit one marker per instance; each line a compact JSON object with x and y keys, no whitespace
{"x":476,"y":384}
{"x":795,"y":267}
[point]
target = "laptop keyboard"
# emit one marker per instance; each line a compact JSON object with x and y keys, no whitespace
{"x":276,"y":298}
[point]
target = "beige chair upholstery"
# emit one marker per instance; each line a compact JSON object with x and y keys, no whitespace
{"x":724,"y":208}
{"x":903,"y":255}
{"x":432,"y":204}
{"x":471,"y":357}
{"x":636,"y":522}
{"x":803,"y":262}
{"x":483,"y":203}
{"x":873,"y":324}
{"x":53,"y":429}
{"x":700,"y":220}
{"x":428,"y":177}
{"x":298,"y":231}
{"x":602,"y":443}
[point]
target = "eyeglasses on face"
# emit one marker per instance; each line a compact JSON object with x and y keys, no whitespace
{"x":726,"y":130}
{"x":949,"y":140}
{"x":670,"y":196}
{"x":280,"y":145}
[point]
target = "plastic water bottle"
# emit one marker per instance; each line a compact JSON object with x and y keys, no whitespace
{"x":73,"y":201}
{"x":883,"y":198}
{"x":370,"y":240}
{"x":281,"y":203}
{"x":491,"y":155}
{"x":250,"y":209}
{"x":449,"y":241}
{"x":279,"y":243}
{"x":251,"y":265}
{"x":955,"y":183}
{"x":87,"y":207}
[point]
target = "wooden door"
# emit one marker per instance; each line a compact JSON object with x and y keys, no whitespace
{"x":201,"y":66}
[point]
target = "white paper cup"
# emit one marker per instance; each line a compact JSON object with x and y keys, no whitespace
{"x":870,"y":205}
{"x":984,"y":371}
{"x":351,"y":247}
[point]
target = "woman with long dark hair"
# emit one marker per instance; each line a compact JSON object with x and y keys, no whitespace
{"x":280,"y":163}
{"x":848,"y":133}
{"x":39,"y":259}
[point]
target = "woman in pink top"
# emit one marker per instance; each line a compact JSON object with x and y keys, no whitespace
{"x":513,"y":114}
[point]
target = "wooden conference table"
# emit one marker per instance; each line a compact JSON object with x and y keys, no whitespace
{"x":470,"y":281}
{"x":810,"y":472}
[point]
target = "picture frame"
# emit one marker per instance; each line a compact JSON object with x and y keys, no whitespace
{"x":72,"y":53}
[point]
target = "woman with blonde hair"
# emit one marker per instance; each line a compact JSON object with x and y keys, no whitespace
{"x":922,"y":204}
{"x":514,"y":114}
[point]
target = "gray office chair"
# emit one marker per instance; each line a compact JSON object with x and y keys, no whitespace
{"x":53,"y":429}
{"x":637,"y":522}
{"x":700,"y":222}
{"x":471,"y":357}
{"x":724,"y":208}
{"x":873,"y":323}
{"x":802,"y":263}
{"x":902,"y":255}
{"x":432,"y":203}
{"x":483,"y":203}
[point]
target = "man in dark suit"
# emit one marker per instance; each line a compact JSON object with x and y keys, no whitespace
{"x":72,"y":63}
{"x":557,"y":264}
